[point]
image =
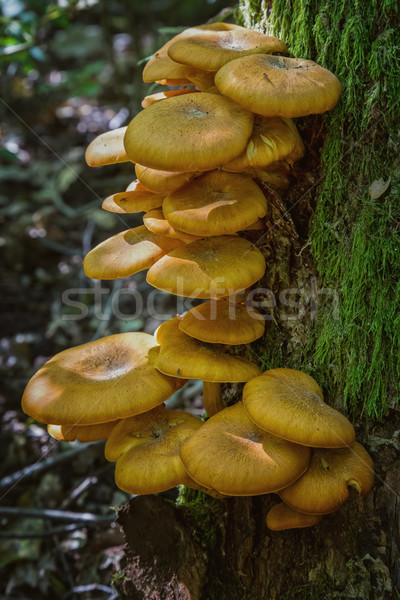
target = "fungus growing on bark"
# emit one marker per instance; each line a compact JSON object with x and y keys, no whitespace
{"x":230,"y":454}
{"x":98,"y":382}
{"x":155,"y":221}
{"x":195,"y":132}
{"x":276,"y":86}
{"x":162,"y":181}
{"x":215,"y":203}
{"x":220,"y":322}
{"x":107,"y":149}
{"x":211,"y":268}
{"x":127,"y":253}
{"x":290,"y":404}
{"x":146,"y":450}
{"x":324,"y":487}
{"x":210,"y":50}
{"x":136,"y":198}
{"x":281,"y":517}
{"x":83,"y":433}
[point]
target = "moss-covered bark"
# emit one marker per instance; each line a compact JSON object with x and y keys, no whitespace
{"x":355,"y":234}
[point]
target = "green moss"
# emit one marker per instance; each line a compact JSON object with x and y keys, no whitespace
{"x":204,"y":511}
{"x":355,"y":239}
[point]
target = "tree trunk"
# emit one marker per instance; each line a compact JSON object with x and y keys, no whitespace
{"x":333,"y":298}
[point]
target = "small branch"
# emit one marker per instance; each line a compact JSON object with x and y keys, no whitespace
{"x":58,"y":515}
{"x":43,"y":464}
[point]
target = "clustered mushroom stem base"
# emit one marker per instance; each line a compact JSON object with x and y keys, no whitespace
{"x":212,"y":399}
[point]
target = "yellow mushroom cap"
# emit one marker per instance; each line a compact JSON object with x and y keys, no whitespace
{"x":153,"y":98}
{"x":235,"y":457}
{"x":100,"y":381}
{"x":183,"y":356}
{"x":162,"y":181}
{"x":161,"y":67}
{"x":195,"y":132}
{"x":272,"y":140}
{"x":219,"y":322}
{"x":290,"y":404}
{"x":215,"y":203}
{"x":281,"y":517}
{"x":146,"y":449}
{"x":83,"y":433}
{"x":135,"y":199}
{"x":155,"y":221}
{"x":325,"y":485}
{"x":107,"y":149}
{"x":211,"y":268}
{"x":127,"y":253}
{"x":276,"y":86}
{"x":210,"y":50}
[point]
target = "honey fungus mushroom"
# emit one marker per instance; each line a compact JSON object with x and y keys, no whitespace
{"x":215,"y":267}
{"x":235,"y":457}
{"x":325,"y":485}
{"x":290,"y":404}
{"x":194,"y":132}
{"x":97,"y":382}
{"x":146,"y":450}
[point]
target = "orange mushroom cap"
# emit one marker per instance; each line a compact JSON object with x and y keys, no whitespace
{"x":188,"y":358}
{"x":276,"y":86}
{"x":230,"y":454}
{"x":211,"y":268}
{"x":127,"y":253}
{"x":210,"y":50}
{"x":195,"y":132}
{"x":219,"y":322}
{"x":146,"y":449}
{"x":215,"y":203}
{"x":83,"y":433}
{"x":290,"y":404}
{"x":107,"y":149}
{"x":325,"y":485}
{"x":97,"y":382}
{"x":281,"y":517}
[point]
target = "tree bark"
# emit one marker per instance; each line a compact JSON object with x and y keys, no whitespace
{"x":332,"y":295}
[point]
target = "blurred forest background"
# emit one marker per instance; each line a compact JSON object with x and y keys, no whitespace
{"x":69,"y":70}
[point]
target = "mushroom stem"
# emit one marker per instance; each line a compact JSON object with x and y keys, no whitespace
{"x":212,"y":398}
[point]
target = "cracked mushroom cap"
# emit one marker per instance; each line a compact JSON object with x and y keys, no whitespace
{"x":155,"y":221}
{"x":273,"y":139}
{"x":162,"y":181}
{"x":193,"y":359}
{"x":105,"y":380}
{"x":146,"y":450}
{"x":290,"y":404}
{"x":215,"y":203}
{"x":211,"y":268}
{"x":325,"y":485}
{"x":127,"y":253}
{"x":195,"y":132}
{"x":107,"y":149}
{"x":281,"y":517}
{"x":219,"y":322}
{"x":210,"y":50}
{"x":276,"y":86}
{"x":83,"y":433}
{"x":232,"y":455}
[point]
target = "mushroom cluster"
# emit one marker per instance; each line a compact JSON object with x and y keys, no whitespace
{"x":200,"y":153}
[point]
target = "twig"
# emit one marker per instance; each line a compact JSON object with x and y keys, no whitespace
{"x":82,"y":487}
{"x":92,"y":587}
{"x":42,"y":465}
{"x":57,"y":515}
